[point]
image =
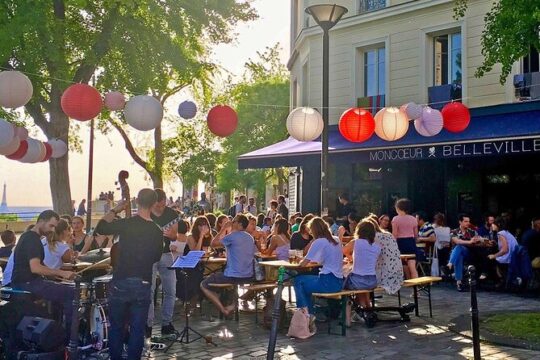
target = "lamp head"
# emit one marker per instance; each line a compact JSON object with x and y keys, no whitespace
{"x":326,"y":15}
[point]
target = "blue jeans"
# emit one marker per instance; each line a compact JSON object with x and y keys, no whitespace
{"x":305,"y":285}
{"x":458,"y":256}
{"x":168,"y":283}
{"x":129,"y":300}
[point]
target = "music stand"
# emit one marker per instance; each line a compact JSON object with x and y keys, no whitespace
{"x":189,"y":261}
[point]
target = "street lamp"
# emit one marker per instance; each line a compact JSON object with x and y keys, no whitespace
{"x":326,"y":16}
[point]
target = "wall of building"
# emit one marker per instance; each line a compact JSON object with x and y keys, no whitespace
{"x":406,"y":31}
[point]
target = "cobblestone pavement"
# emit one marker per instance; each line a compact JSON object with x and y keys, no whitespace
{"x":421,"y":338}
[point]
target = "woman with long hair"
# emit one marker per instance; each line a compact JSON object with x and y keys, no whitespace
{"x":384,"y":223}
{"x":405,"y":230}
{"x":55,"y":248}
{"x":350,"y":226}
{"x":325,"y":250}
{"x":220,"y":221}
{"x":79,"y":236}
{"x":302,"y":238}
{"x":280,"y":240}
{"x":201,"y":235}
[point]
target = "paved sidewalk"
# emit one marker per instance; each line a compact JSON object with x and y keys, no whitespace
{"x":421,"y":338}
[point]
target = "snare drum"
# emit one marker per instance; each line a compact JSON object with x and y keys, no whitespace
{"x":84,"y":290}
{"x":101,"y":286}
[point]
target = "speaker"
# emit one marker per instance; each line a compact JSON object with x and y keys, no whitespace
{"x":42,"y":334}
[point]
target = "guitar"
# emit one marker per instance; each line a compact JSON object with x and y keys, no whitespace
{"x":125,"y":196}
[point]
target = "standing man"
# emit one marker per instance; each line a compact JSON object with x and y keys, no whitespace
{"x":29,"y":269}
{"x":282,"y":208}
{"x":240,"y":205}
{"x":205,"y":204}
{"x":531,"y":241}
{"x":251,"y":208}
{"x":343,"y":210}
{"x":81,"y":211}
{"x":140,"y":245}
{"x":162,"y":215}
{"x":485,"y":230}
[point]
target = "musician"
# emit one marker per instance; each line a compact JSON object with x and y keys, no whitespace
{"x":163,"y":215}
{"x":139,"y":247}
{"x":29,"y":269}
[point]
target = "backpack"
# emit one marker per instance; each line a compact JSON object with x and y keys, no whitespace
{"x":232,"y":211}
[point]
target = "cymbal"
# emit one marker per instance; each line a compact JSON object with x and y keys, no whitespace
{"x":94,"y":256}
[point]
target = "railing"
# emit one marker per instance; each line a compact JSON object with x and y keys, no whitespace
{"x":370,"y":5}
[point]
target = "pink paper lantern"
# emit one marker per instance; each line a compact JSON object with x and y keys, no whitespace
{"x":222,"y":120}
{"x":413,"y":110}
{"x":21,"y":132}
{"x":7,"y":132}
{"x":59,"y":148}
{"x":10,"y":147}
{"x":430,"y":123}
{"x":115,"y":101}
{"x":81,"y":102}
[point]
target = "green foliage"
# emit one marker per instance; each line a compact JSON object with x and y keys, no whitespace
{"x":512,"y":29}
{"x":9,"y":217}
{"x":261,"y":100}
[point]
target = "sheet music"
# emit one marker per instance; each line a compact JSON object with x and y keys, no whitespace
{"x":189,"y":261}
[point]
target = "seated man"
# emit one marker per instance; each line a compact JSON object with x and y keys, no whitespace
{"x":8,"y":238}
{"x":29,"y":270}
{"x":241,"y":251}
{"x":468,"y":247}
{"x":531,"y":241}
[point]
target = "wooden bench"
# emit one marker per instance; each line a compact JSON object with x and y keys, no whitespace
{"x":423,"y":283}
{"x":343,"y":297}
{"x":259,"y":288}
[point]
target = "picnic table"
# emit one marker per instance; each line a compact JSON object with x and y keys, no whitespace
{"x":213,"y":264}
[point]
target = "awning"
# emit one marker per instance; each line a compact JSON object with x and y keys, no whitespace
{"x":494,"y":130}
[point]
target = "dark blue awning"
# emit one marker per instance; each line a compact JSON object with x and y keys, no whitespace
{"x":494,"y":130}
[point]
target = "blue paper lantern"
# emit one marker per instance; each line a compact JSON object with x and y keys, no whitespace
{"x":187,"y":110}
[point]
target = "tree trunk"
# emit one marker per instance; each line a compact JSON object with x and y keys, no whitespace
{"x":59,"y":168}
{"x":157,"y":173}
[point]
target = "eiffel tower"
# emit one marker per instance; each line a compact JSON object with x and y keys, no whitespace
{"x":3,"y":204}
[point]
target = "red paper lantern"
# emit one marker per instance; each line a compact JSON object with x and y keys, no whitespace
{"x":21,"y":151}
{"x":356,"y":125}
{"x":222,"y":120}
{"x":48,"y":152}
{"x":81,"y":102}
{"x":456,"y":117}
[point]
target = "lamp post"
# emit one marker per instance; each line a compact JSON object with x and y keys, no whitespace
{"x":326,"y":16}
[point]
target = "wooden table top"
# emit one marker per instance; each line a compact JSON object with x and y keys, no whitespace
{"x":288,"y":265}
{"x":4,"y":260}
{"x":213,"y":260}
{"x":266,"y":257}
{"x":407,"y":256}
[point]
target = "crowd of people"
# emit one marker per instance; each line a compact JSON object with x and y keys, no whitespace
{"x":353,"y":252}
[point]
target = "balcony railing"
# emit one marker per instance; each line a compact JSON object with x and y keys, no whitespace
{"x":440,"y":95}
{"x":371,"y":103}
{"x":527,"y":86}
{"x":370,"y":5}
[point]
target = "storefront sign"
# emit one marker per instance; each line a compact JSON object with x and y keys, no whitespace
{"x":486,"y":148}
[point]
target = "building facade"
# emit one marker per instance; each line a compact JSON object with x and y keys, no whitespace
{"x":388,"y":53}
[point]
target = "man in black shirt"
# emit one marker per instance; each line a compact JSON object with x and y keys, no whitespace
{"x":163,"y":215}
{"x":29,"y":270}
{"x":140,"y":245}
{"x":343,"y":210}
{"x":282,"y":208}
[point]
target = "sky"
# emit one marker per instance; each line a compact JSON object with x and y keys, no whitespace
{"x":28,"y":184}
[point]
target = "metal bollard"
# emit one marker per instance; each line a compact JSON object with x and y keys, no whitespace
{"x":475,"y":326}
{"x":275,"y":316}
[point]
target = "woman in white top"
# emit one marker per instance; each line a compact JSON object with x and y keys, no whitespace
{"x":325,"y":250}
{"x":506,"y":243}
{"x":56,"y":250}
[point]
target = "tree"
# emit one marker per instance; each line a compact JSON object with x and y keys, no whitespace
{"x":512,"y":29}
{"x":132,"y":46}
{"x":261,"y":100}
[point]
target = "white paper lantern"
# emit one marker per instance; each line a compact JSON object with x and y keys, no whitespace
{"x":34,"y":152}
{"x":305,"y":124}
{"x":7,"y":132}
{"x":430,"y":123}
{"x":15,"y":89}
{"x":59,"y":148}
{"x":413,"y":110}
{"x":391,"y":123}
{"x":143,"y":112}
{"x":187,"y":110}
{"x":10,"y":147}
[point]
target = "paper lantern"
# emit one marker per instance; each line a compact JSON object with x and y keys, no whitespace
{"x":356,"y":125}
{"x":21,"y":132}
{"x":33,"y":153}
{"x":7,"y":132}
{"x":143,"y":112}
{"x":187,"y":110}
{"x":222,"y":120}
{"x":456,"y":117}
{"x":305,"y":124}
{"x":413,"y":110}
{"x":114,"y":100}
{"x":15,"y":89}
{"x":48,"y":152}
{"x":59,"y":148}
{"x":10,"y":147}
{"x":391,"y":123}
{"x":81,"y":102}
{"x":20,"y":152}
{"x":430,"y":123}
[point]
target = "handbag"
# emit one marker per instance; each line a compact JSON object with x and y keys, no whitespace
{"x":299,"y":327}
{"x":435,"y":270}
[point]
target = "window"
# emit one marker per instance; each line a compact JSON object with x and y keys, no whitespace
{"x":447,"y":59}
{"x":374,"y":72}
{"x":370,"y":5}
{"x":531,"y":62}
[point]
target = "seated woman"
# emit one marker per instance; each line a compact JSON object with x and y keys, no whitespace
{"x":364,"y":254}
{"x":302,"y":238}
{"x":187,"y":289}
{"x":56,"y":250}
{"x":507,"y":243}
{"x":343,"y":231}
{"x":280,"y":240}
{"x":79,"y":236}
{"x":325,"y":250}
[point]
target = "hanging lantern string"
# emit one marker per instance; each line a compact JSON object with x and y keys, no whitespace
{"x":276,"y":105}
